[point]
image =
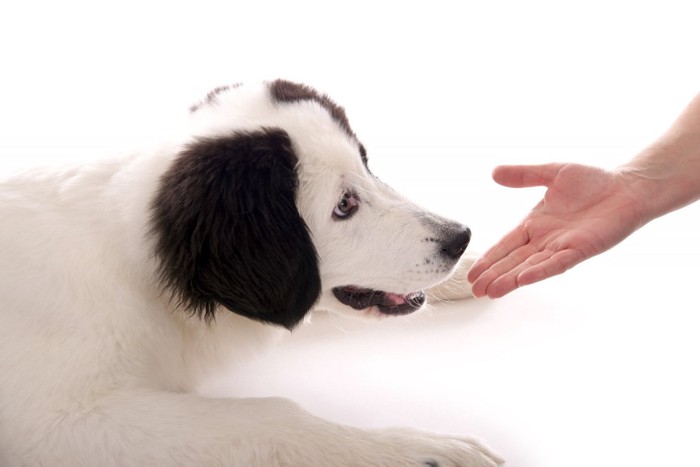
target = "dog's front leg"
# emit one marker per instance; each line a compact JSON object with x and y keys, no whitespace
{"x":168,"y":429}
{"x":456,"y":286}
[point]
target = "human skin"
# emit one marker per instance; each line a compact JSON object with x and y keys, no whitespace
{"x":588,"y":210}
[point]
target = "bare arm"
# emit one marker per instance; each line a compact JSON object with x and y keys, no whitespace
{"x":667,"y":173}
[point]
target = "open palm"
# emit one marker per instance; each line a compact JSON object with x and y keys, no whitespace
{"x":585,"y":211}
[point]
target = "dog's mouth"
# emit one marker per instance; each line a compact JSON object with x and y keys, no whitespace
{"x":387,"y":303}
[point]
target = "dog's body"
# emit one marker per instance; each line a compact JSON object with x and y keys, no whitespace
{"x":119,"y":278}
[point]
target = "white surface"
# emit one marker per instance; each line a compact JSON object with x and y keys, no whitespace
{"x":595,"y":367}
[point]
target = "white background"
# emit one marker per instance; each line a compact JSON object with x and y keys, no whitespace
{"x":596,"y":367}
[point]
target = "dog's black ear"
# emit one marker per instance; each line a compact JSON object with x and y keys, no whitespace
{"x":227,"y":230}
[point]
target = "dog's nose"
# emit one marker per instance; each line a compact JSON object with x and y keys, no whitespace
{"x":455,"y":245}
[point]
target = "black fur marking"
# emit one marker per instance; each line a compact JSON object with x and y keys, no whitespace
{"x":212,"y":95}
{"x":363,"y":155}
{"x":287,"y":91}
{"x":227,"y":230}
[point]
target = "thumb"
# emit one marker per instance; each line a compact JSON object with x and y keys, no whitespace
{"x":522,"y":176}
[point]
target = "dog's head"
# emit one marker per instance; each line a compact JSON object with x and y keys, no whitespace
{"x":271,"y":209}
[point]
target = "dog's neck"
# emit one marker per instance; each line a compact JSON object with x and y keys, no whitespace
{"x":215,"y":349}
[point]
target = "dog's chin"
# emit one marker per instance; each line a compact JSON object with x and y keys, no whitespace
{"x":385,"y":303}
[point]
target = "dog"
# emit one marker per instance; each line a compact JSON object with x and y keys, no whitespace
{"x":128,"y":281}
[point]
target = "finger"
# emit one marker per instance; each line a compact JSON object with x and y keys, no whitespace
{"x":522,"y":176}
{"x":538,"y":267}
{"x":556,"y":264}
{"x":510,"y":280}
{"x":478,"y":268}
{"x":509,"y":243}
{"x":513,"y":261}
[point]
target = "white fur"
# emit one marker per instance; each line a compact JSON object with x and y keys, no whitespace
{"x":98,"y":369}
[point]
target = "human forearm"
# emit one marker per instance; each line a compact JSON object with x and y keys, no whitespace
{"x":666,"y":175}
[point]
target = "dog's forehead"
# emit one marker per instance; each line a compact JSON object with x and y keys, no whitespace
{"x":292,"y":107}
{"x":282,"y":91}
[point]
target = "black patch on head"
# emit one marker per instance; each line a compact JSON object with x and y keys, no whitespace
{"x":363,"y":155}
{"x":287,"y":91}
{"x":211,"y":96}
{"x":227,"y":230}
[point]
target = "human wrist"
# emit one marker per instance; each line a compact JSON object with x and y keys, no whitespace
{"x":642,"y":188}
{"x":665,"y":176}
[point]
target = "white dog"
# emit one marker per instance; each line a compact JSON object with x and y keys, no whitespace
{"x":127,"y":282}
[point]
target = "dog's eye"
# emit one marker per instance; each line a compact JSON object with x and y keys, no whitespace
{"x":346,"y":207}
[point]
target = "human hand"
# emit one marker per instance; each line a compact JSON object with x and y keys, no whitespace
{"x":585,"y":211}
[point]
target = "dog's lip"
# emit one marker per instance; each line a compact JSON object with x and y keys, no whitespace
{"x":387,"y":303}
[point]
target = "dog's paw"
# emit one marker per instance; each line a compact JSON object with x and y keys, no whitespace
{"x":416,"y":448}
{"x":331,"y":445}
{"x":456,"y":286}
